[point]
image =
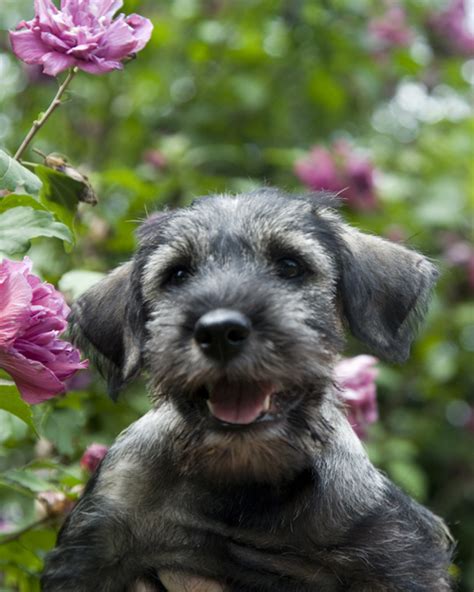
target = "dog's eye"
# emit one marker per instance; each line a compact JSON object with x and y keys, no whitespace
{"x":290,"y":268}
{"x":178,"y":275}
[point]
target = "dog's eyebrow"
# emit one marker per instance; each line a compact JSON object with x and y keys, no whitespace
{"x":168,"y":254}
{"x":301,"y":244}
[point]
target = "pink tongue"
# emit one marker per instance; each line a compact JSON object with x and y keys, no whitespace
{"x":238,"y":402}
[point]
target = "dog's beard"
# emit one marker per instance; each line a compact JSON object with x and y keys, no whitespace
{"x":254,"y":417}
{"x":270,"y":437}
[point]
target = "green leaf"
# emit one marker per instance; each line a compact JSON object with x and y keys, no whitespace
{"x":11,"y":401}
{"x":18,"y":489}
{"x":14,"y":200}
{"x":28,"y":479}
{"x":60,"y":193}
{"x":14,"y":176}
{"x":63,"y":427}
{"x":39,"y":539}
{"x":19,"y":225}
{"x":16,"y":553}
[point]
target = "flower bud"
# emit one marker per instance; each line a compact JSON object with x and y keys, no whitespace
{"x":93,"y":456}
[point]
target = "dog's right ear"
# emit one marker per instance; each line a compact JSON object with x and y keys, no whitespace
{"x":385,"y":290}
{"x":107,"y":323}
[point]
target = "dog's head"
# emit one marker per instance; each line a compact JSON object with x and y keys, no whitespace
{"x":236,"y":307}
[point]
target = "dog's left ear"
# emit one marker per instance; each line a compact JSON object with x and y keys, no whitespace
{"x":385,"y":290}
{"x":107,"y":323}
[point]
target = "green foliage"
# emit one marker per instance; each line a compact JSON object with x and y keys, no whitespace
{"x":19,"y":225}
{"x":14,"y":176}
{"x":60,"y":193}
{"x":230,"y":94}
{"x":11,"y":401}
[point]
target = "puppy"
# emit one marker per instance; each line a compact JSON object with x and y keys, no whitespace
{"x":246,"y":475}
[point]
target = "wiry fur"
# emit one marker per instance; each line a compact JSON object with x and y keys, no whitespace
{"x":289,"y":506}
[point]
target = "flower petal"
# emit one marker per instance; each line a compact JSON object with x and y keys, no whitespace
{"x":318,"y":171}
{"x":53,"y":42}
{"x":28,"y":46}
{"x":34,"y":381}
{"x":106,"y":7}
{"x":93,"y":10}
{"x":67,"y":360}
{"x":117,"y":42}
{"x":15,"y":300}
{"x":99,"y":65}
{"x":45,"y":11}
{"x":93,"y":456}
{"x":142,"y":30}
{"x":54,"y":63}
{"x":82,"y":52}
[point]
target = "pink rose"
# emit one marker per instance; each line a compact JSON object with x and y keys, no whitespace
{"x":451,"y":28}
{"x":356,"y":379}
{"x":5,"y":525}
{"x":341,"y":170}
{"x":155,"y":158}
{"x":93,"y":456}
{"x":460,"y":253}
{"x":318,"y":171}
{"x":32,"y":317}
{"x":391,"y":29}
{"x":81,"y":34}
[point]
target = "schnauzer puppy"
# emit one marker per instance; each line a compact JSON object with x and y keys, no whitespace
{"x":246,"y":475}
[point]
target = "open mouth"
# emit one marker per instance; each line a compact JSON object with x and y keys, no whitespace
{"x":241,"y":403}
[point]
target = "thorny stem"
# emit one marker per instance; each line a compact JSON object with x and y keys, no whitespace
{"x":38,"y":124}
{"x":16,"y":535}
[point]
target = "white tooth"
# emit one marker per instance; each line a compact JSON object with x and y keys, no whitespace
{"x":210,"y":406}
{"x":266,"y":403}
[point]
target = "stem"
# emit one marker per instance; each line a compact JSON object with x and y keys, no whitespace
{"x":16,"y":535}
{"x":38,"y":124}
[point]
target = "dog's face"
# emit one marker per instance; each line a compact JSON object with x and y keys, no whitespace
{"x":235,"y":307}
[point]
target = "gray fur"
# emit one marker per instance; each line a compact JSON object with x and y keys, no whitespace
{"x":292,"y":505}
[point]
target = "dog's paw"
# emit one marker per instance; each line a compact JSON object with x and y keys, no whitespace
{"x":178,"y":582}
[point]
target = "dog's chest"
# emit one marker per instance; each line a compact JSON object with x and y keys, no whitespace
{"x":250,"y":559}
{"x":249,"y":535}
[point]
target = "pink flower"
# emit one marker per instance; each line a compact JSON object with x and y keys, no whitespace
{"x":356,"y":378}
{"x":5,"y":525}
{"x":93,"y":456}
{"x":391,"y":29}
{"x":318,"y":171}
{"x":155,"y":158}
{"x":80,"y":381}
{"x":340,"y":170}
{"x":32,"y":316}
{"x":452,"y":28}
{"x":81,"y":34}
{"x":469,"y":425}
{"x":460,"y":253}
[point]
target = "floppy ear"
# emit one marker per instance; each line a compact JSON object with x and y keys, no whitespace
{"x":385,"y":291}
{"x":107,"y":322}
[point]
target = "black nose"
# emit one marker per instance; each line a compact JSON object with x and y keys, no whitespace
{"x":221,"y":334}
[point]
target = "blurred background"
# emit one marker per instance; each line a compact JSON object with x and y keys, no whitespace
{"x":369,"y":98}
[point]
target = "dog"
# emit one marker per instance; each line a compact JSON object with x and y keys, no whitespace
{"x":246,"y":475}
